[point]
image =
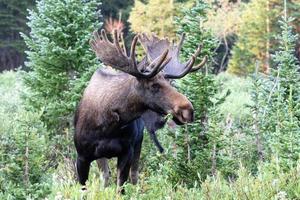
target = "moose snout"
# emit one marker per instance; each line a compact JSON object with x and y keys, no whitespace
{"x":188,"y":115}
{"x":184,"y":114}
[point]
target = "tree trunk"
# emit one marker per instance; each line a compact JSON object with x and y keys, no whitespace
{"x":267,"y":59}
{"x":26,"y":163}
{"x":214,"y":160}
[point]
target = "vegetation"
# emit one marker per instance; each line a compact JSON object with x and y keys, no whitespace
{"x":24,"y":143}
{"x":60,"y":60}
{"x":256,"y":35}
{"x":244,"y":143}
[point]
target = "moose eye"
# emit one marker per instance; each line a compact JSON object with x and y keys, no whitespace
{"x":155,"y":87}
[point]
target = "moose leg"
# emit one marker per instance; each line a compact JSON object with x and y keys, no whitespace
{"x":156,"y":142}
{"x":104,"y":167}
{"x":83,"y":168}
{"x":124,"y":162}
{"x":134,"y":169}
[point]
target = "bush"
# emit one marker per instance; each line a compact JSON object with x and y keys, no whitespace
{"x":23,"y":141}
{"x":270,"y":182}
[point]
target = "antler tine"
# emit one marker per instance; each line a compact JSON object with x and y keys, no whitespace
{"x":132,"y":50}
{"x":182,"y":37}
{"x":116,"y":41}
{"x":200,"y":65}
{"x":158,"y":64}
{"x":104,"y":35}
{"x":197,"y":52}
{"x":123,"y":43}
{"x":93,"y":41}
{"x":187,"y":69}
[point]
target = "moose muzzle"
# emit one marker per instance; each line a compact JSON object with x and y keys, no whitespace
{"x":183,"y":114}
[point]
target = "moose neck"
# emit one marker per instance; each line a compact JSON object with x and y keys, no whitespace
{"x":111,"y":100}
{"x":129,"y":105}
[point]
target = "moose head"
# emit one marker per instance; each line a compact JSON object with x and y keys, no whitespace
{"x":173,"y":69}
{"x":149,"y":85}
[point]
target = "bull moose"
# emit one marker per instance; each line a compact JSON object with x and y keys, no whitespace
{"x":113,"y":101}
{"x":151,"y":120}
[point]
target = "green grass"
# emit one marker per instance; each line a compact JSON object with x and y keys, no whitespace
{"x":270,"y":182}
{"x":235,"y":104}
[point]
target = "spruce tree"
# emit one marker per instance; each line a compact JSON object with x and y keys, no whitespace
{"x":277,"y":103}
{"x":285,"y":98}
{"x":59,"y":58}
{"x":193,"y":144}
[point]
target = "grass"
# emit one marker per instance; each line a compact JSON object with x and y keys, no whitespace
{"x":270,"y":182}
{"x":234,"y":106}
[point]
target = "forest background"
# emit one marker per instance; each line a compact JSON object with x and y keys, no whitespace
{"x":244,"y":143}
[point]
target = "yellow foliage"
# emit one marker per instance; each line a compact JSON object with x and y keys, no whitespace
{"x":225,"y":18}
{"x":156,"y":16}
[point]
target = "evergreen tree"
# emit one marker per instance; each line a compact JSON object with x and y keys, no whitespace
{"x":60,"y":59}
{"x":23,"y":142}
{"x":285,"y":98}
{"x":277,"y":100}
{"x":193,"y":142}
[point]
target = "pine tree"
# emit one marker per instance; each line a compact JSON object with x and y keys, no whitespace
{"x":277,"y":103}
{"x":285,"y":99}
{"x":192,"y":142}
{"x":60,"y":59}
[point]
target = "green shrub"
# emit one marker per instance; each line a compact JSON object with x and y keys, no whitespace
{"x":270,"y":182}
{"x":23,"y":141}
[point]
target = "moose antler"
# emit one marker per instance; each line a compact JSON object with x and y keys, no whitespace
{"x":111,"y":53}
{"x":174,"y":69}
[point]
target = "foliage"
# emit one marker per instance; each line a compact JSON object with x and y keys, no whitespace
{"x":278,"y":117}
{"x":60,"y":60}
{"x":255,"y":35}
{"x":154,"y":16}
{"x":23,"y":141}
{"x":270,"y":182}
{"x":223,"y":19}
{"x":234,"y":106}
{"x":191,"y":142}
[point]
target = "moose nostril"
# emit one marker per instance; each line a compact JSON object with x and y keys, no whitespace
{"x":192,"y":116}
{"x":188,"y":115}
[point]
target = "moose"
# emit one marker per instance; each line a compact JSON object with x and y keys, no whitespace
{"x":150,"y":120}
{"x":113,"y":103}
